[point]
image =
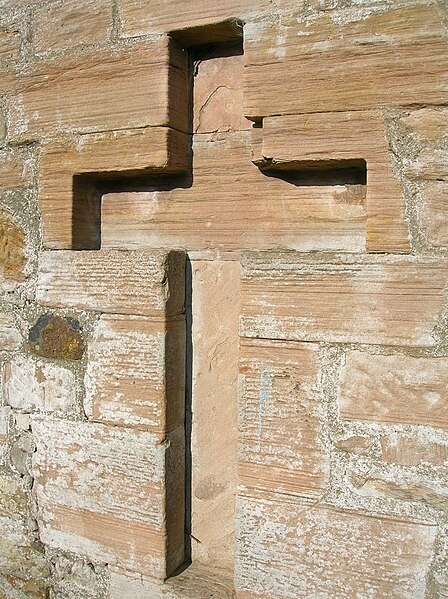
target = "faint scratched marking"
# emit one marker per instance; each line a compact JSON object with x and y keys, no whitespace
{"x":265,"y":390}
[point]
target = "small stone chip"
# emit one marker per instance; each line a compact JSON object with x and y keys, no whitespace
{"x":57,"y":337}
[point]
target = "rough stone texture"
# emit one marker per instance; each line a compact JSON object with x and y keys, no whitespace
{"x":102,"y":493}
{"x":10,"y":39}
{"x":10,"y":338}
{"x":279,"y":446}
{"x":31,"y":385}
{"x":412,"y":449}
{"x":429,"y":124}
{"x":361,"y":62}
{"x":371,"y":300}
{"x":292,"y":549}
{"x":15,"y":169}
{"x":148,"y":283}
{"x":57,"y":337}
{"x":394,"y":389}
{"x":64,"y":24}
{"x":136,"y":373}
{"x":13,"y":258}
{"x":215,"y":301}
{"x":434,"y":213}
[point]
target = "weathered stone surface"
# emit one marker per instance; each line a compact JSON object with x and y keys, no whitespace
{"x":66,"y":208}
{"x":57,"y":337}
{"x":9,"y":333}
{"x":412,"y":449}
{"x":434,"y":213}
{"x":361,"y":64}
{"x":64,"y":25}
{"x":37,"y":385}
{"x":20,"y":556}
{"x":10,"y":39}
{"x":137,"y":85}
{"x":140,"y":16}
{"x":218,"y":96}
{"x":13,"y":257}
{"x":429,"y":124}
{"x":430,"y":165}
{"x":111,"y":494}
{"x":365,"y":300}
{"x":307,"y":141}
{"x":245,"y":210}
{"x":215,"y":343}
{"x":279,"y":442}
{"x":394,"y":389}
{"x":150,"y":283}
{"x":15,"y":169}
{"x":407,"y":487}
{"x":355,"y":444}
{"x":291,"y":549}
{"x":76,"y":579}
{"x":5,"y":431}
{"x":136,"y":373}
{"x":195,"y":582}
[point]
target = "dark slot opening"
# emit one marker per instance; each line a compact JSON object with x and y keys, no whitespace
{"x":315,"y":173}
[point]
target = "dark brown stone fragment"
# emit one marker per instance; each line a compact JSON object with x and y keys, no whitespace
{"x":57,"y":337}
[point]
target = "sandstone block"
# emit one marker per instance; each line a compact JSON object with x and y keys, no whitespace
{"x":394,"y":389}
{"x":9,"y":333}
{"x":247,"y":209}
{"x":15,"y":169}
{"x":365,"y":300}
{"x":13,"y":259}
{"x":434,"y":214}
{"x":355,"y":444}
{"x":430,"y":165}
{"x":37,"y":385}
{"x":150,"y":283}
{"x":292,"y":549}
{"x":140,"y":85}
{"x":429,"y":124}
{"x":67,"y":213}
{"x":363,"y":64}
{"x":279,"y":441}
{"x":412,"y":449}
{"x":111,"y":494}
{"x":176,"y":14}
{"x":330,"y":140}
{"x":136,"y":373}
{"x":65,"y":24}
{"x":10,"y":39}
{"x":214,"y":428}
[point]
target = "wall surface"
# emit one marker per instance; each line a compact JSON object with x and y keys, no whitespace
{"x":223,"y":306}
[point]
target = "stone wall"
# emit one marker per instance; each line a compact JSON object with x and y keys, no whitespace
{"x":223,"y":308}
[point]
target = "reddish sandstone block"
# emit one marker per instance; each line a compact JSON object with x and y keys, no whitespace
{"x":365,"y":300}
{"x":66,"y":205}
{"x":111,"y":494}
{"x":318,"y":139}
{"x":246,"y":210}
{"x":363,"y":64}
{"x":429,"y":124}
{"x":10,"y":39}
{"x":150,"y":283}
{"x":293,"y":549}
{"x":65,"y":24}
{"x":279,"y":401}
{"x":140,"y":16}
{"x":140,"y":85}
{"x":395,"y":388}
{"x":136,"y":372}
